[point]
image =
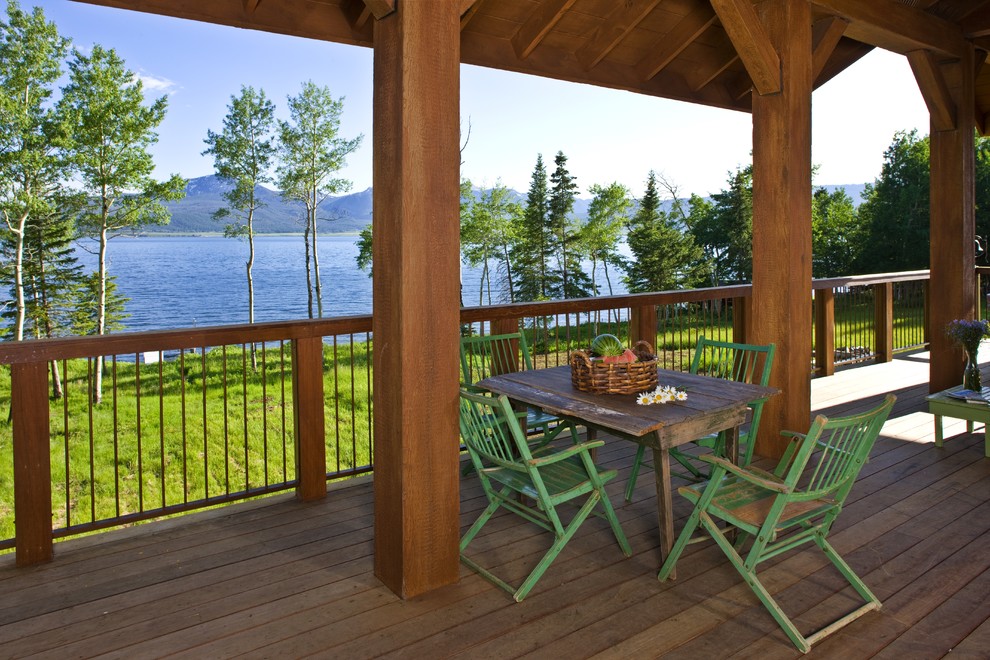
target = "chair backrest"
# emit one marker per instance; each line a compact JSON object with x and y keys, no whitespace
{"x":490,"y":355}
{"x":744,"y":363}
{"x":831,"y":455}
{"x":492,"y":432}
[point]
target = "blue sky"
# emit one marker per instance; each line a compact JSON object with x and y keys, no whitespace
{"x":607,"y":135}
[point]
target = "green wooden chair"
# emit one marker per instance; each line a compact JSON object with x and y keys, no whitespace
{"x":490,"y":355}
{"x":779,"y":511}
{"x":746,"y":363}
{"x":508,"y":468}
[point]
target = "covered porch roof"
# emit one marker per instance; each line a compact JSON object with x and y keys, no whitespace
{"x":764,"y":57}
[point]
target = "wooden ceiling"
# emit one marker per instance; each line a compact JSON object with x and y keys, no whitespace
{"x":701,"y":51}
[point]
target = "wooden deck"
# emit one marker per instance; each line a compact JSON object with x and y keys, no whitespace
{"x":284,"y":579}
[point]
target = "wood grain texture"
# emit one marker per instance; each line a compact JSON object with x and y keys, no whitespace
{"x":742,"y":24}
{"x":933,"y":89}
{"x":309,"y":421}
{"x":32,"y":462}
{"x":416,"y":295}
{"x":782,"y":223}
{"x":883,"y":324}
{"x":952,"y":226}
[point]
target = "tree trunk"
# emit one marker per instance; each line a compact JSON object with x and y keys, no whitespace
{"x":101,"y":310}
{"x":250,"y":281}
{"x":309,"y":272}
{"x":316,"y":264}
{"x":19,"y":277}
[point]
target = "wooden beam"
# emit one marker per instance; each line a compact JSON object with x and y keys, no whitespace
{"x":358,"y":13}
{"x":782,"y":223}
{"x":703,"y":75}
{"x":952,"y":216}
{"x":251,"y":5}
{"x":313,"y":20}
{"x":380,"y":8}
{"x":742,"y":24}
{"x":933,"y":90}
{"x":621,"y":22}
{"x":538,"y":25}
{"x":674,"y":42}
{"x":468,"y":9}
{"x":416,"y":295}
{"x":825,"y":36}
{"x":309,"y":421}
{"x":977,"y":23}
{"x":897,"y":27}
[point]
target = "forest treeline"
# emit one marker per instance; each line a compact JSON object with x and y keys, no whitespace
{"x":537,"y":250}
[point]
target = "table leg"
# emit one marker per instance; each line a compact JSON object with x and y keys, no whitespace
{"x":938,"y":430}
{"x":732,"y":444}
{"x":986,"y":439}
{"x":665,"y":510}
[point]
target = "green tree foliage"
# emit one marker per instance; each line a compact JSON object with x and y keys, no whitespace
{"x":608,"y":216}
{"x":364,"y":246}
{"x":312,"y":153}
{"x":983,"y":195}
{"x":243,"y":154}
{"x":663,"y":256}
{"x":723,"y":229}
{"x":573,"y":281}
{"x":487,"y":234}
{"x":534,"y":248}
{"x":113,"y":131}
{"x":31,"y":165}
{"x":836,"y":237}
{"x":895,"y":210}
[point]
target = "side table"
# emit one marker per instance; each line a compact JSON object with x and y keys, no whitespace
{"x":942,"y":405}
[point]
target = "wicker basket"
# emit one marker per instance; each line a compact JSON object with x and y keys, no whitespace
{"x":592,"y":375}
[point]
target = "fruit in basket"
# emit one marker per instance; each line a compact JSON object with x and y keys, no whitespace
{"x":626,"y":356}
{"x":607,"y":346}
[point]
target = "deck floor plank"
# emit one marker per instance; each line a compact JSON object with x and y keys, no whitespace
{"x":281,"y":578}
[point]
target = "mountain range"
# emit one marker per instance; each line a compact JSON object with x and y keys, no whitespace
{"x":343,"y":214}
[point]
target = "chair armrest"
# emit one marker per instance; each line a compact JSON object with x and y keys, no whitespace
{"x":566,"y":453}
{"x":745,"y":474}
{"x":788,"y":455}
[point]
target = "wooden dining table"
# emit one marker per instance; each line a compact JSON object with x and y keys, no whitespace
{"x":712,"y":405}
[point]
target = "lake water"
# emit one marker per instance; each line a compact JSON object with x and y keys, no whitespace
{"x":185,"y":281}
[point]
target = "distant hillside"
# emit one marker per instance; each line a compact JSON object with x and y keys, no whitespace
{"x":344,"y":214}
{"x":193,"y":214}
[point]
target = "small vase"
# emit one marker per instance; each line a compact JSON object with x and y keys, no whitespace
{"x":972,"y":379}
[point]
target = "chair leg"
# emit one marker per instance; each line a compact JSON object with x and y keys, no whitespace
{"x":613,"y":521}
{"x":670,"y":561}
{"x":634,"y":473}
{"x":557,"y":546}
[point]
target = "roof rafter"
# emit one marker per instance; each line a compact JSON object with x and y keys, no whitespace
{"x":745,"y":30}
{"x":251,"y":5}
{"x":671,"y":44}
{"x":978,"y":22}
{"x":896,"y":27}
{"x":934,"y":89}
{"x":536,"y":27}
{"x":620,"y":23}
{"x":468,"y":9}
{"x":825,"y":36}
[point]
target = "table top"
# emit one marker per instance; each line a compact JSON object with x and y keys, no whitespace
{"x":711,"y":402}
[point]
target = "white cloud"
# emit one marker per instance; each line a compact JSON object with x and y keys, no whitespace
{"x":155,"y":84}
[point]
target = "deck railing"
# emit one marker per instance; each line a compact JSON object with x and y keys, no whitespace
{"x":157,"y":423}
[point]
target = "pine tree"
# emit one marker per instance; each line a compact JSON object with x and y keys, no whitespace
{"x":573,"y":281}
{"x":724,"y":230}
{"x":533,"y":249}
{"x":664,"y":256}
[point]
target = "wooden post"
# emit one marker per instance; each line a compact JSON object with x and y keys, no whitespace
{"x":825,"y":332}
{"x":308,"y":418}
{"x":503,"y":326}
{"x":952,"y":224}
{"x":883,"y":321}
{"x":782,"y":222}
{"x":643,"y":325}
{"x":32,"y":463}
{"x":416,"y":295}
{"x":742,"y":319}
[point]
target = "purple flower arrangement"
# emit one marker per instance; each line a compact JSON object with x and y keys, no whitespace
{"x":968,"y":333}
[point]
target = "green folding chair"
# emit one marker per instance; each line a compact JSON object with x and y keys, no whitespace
{"x":490,"y":355}
{"x":744,"y":363}
{"x":779,"y":511}
{"x":508,"y":468}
